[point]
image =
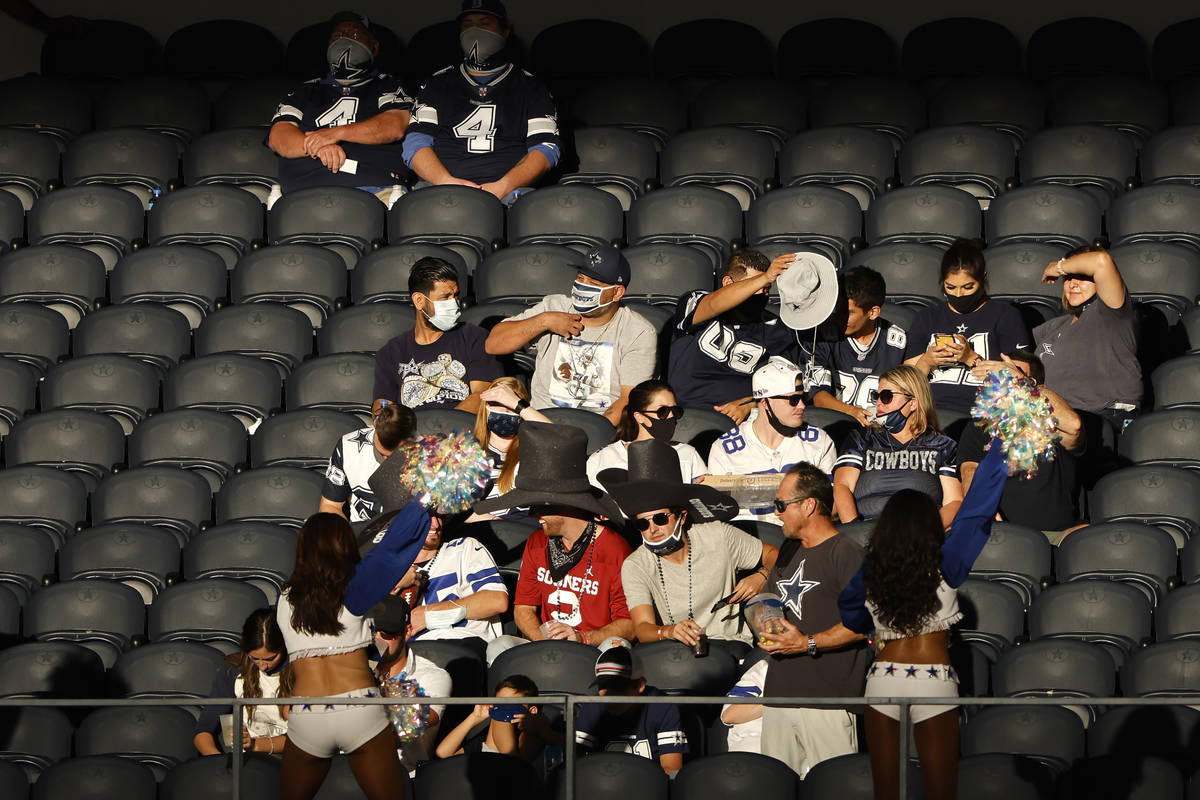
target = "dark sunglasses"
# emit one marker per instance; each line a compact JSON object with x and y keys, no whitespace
{"x":794,"y":400}
{"x":664,"y":412}
{"x":781,"y":505}
{"x":884,"y":396}
{"x":660,"y":519}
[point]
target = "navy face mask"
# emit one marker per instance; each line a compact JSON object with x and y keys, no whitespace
{"x":894,"y":421}
{"x":503,"y":424}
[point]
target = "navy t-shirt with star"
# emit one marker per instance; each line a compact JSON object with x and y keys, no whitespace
{"x":325,"y":103}
{"x":434,"y":375}
{"x":649,"y":730}
{"x":849,"y":371}
{"x":992,"y":329}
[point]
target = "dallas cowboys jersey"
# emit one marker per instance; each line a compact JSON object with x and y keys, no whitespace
{"x":324,"y":103}
{"x":849,"y":371}
{"x":480,"y":131}
{"x":887,"y":466}
{"x":993,"y":328}
{"x":351,"y":465}
{"x":462,"y":567}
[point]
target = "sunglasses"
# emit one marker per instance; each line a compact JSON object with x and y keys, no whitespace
{"x":884,"y":396}
{"x":794,"y":400}
{"x":660,"y":519}
{"x":781,"y":505}
{"x":664,"y":412}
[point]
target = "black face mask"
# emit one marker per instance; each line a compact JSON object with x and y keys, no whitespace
{"x":661,"y":429}
{"x":752,"y":307}
{"x":966,"y":303}
{"x":1075,"y":311}
{"x":780,"y":428}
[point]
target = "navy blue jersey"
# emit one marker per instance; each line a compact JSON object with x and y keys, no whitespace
{"x":886,"y":466}
{"x":648,"y":731}
{"x":711,"y":363}
{"x":324,"y":103}
{"x":993,"y":328}
{"x":480,"y":131}
{"x":849,"y":371}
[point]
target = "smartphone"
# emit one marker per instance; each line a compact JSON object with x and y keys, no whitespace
{"x":507,"y":712}
{"x":943,"y":339}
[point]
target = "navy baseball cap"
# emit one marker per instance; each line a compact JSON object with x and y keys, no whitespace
{"x":605,"y":264}
{"x":493,"y":7}
{"x":350,"y":16}
{"x":390,"y":615}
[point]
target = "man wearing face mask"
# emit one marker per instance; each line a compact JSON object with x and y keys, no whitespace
{"x":441,"y":362}
{"x":682,"y":582}
{"x":355,"y":458}
{"x":591,"y":350}
{"x":344,"y":129}
{"x":483,"y":123}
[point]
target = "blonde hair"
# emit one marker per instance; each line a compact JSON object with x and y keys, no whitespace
{"x":504,"y":482}
{"x":910,"y":381}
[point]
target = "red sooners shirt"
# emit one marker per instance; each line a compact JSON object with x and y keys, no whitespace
{"x":586,"y":598}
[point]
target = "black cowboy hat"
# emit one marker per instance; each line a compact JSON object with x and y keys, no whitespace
{"x":553,"y":472}
{"x":654,"y":481}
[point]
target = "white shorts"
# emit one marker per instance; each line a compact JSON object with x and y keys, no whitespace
{"x":893,"y":679}
{"x":325,"y":729}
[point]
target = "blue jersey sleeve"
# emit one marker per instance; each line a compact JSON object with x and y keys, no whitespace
{"x":222,"y":686}
{"x":973,"y":522}
{"x":852,"y":605}
{"x":387,"y":562}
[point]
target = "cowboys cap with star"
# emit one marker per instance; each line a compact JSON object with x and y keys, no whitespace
{"x":605,"y":264}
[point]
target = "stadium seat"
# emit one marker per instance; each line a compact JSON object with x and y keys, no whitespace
{"x":652,"y":107}
{"x":272,"y":332}
{"x":50,"y":669}
{"x":1114,"y":614}
{"x":1178,"y":615}
{"x":443,"y":420}
{"x":1177,"y":382}
{"x":1127,"y":777}
{"x":993,"y":615}
{"x":1050,"y":735}
{"x":186,"y":278}
{"x":1094,"y":158}
{"x":12,"y":222}
{"x":152,"y":334}
{"x":103,"y":616}
{"x":1166,"y":669}
{"x":102,"y":49}
{"x":504,"y":539}
{"x":1156,"y":214}
{"x":555,"y":665}
{"x":569,"y":54}
{"x":579,"y":217}
{"x":848,"y":777}
{"x":615,"y":160}
{"x":973,"y":158}
{"x":339,"y":382}
{"x":13,"y":782}
{"x":142,"y":162}
{"x":957,"y":47}
{"x":308,"y":278}
{"x":346,"y":220}
{"x":1172,"y":156}
{"x":764,"y":105}
{"x":886,"y":104}
{"x":340,"y":783}
{"x":1009,"y":104}
{"x":177,"y":500}
{"x":673,"y":668}
{"x":210,"y":611}
{"x":1135,"y":553}
{"x":223,"y":219}
{"x":1164,"y":438}
{"x":1132,"y":105}
{"x":1189,"y":561}
{"x":207,"y":442}
{"x":463,"y":659}
{"x":155,"y":737}
{"x":737,"y":161}
{"x":66,"y":279}
{"x":1014,"y":274}
{"x":526,"y":272}
{"x":120,"y":386}
{"x":18,"y":392}
{"x":1046,"y":214}
{"x":257,"y":553}
{"x":27,"y":557}
{"x":1174,"y":54}
{"x":465,"y":220}
{"x":102,"y":219}
{"x":1166,"y":731}
{"x":827,"y":48}
{"x":600,"y":431}
{"x":96,"y":778}
{"x":1016,"y":556}
{"x":10,"y":615}
{"x":730,"y":774}
{"x":1059,"y":668}
{"x":167,"y":670}
{"x":479,"y":776}
{"x":246,"y":387}
{"x":58,"y":108}
{"x":85,"y":443}
{"x":44,"y":499}
{"x":699,"y":216}
{"x":618,"y":776}
{"x":212,"y":776}
{"x":235,"y":157}
{"x":37,"y":738}
{"x":166,"y":104}
{"x":364,"y":328}
{"x":382,"y":275}
{"x":911,"y":271}
{"x":280,"y":495}
{"x":246,"y":50}
{"x":1084,"y":46}
{"x":661,"y":273}
{"x":28,"y":164}
{"x":1168,"y":498}
{"x":711,"y":48}
{"x":819,"y":217}
{"x":143,"y":557}
{"x":923,"y":215}
{"x":302,"y":438}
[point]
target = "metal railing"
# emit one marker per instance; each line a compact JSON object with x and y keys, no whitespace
{"x":570,"y":702}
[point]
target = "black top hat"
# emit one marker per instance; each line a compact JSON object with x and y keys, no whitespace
{"x":654,"y":481}
{"x":553,"y":472}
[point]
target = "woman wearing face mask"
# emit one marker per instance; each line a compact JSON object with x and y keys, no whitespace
{"x":651,"y":413}
{"x":504,"y":406}
{"x":904,"y":449}
{"x":260,"y":669}
{"x":945,"y":341}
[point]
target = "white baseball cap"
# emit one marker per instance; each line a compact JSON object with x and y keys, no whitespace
{"x":808,"y":291}
{"x":777,"y":378}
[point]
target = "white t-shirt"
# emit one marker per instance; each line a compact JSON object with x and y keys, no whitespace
{"x":746,"y":737}
{"x":463,"y":567}
{"x":691,"y":465}
{"x":435,"y":682}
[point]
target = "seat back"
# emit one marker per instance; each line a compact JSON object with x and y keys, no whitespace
{"x":342,"y":218}
{"x":157,"y":737}
{"x":1168,"y":498}
{"x":974,"y":158}
{"x":364,"y":328}
{"x":737,"y":161}
{"x":237,"y":157}
{"x":43,"y":498}
{"x":526,"y":272}
{"x":554,"y":665}
{"x":67,"y":279}
{"x":33,"y":335}
{"x":96,"y":778}
{"x":1113,"y":614}
{"x":261,"y":554}
{"x":1159,"y":213}
{"x":1097,"y":159}
{"x":1171,"y":156}
{"x":383,"y":274}
{"x":223,"y":219}
{"x":443,"y":420}
{"x":811,"y":214}
{"x":463,"y":219}
{"x":910,"y":270}
{"x":697,"y":215}
{"x":1051,"y":735}
{"x":886,"y":104}
{"x":51,"y":669}
{"x":672,"y":667}
{"x":993,"y":614}
{"x":170,"y":105}
{"x":825,"y":48}
{"x":1048,"y":213}
{"x":54,"y":107}
{"x":613,"y":776}
{"x":212,"y":776}
{"x":306,"y":277}
{"x":1133,"y":105}
{"x":300,"y":438}
{"x":26,"y":556}
{"x":614,"y":159}
{"x":1015,"y":274}
{"x":37,"y":737}
{"x":1070,"y":667}
{"x":143,"y":162}
{"x":711,"y":48}
{"x":959,"y":46}
{"x":848,"y":777}
{"x":661,"y":273}
{"x":339,"y":382}
{"x":102,"y":219}
{"x":485,"y":776}
{"x":1177,"y":382}
{"x":1015,"y":555}
{"x":154,"y":334}
{"x":18,"y":391}
{"x":28,"y":163}
{"x":101,"y":615}
{"x":572,"y":215}
{"x":87,"y":443}
{"x":235,"y":384}
{"x":771,"y":107}
{"x":1165,"y":669}
{"x":1084,"y":46}
{"x":727,"y":774}
{"x":247,"y":49}
{"x":1010,"y":104}
{"x":1178,"y":615}
{"x":189,"y":279}
{"x":1133,"y":552}
{"x":273,"y":332}
{"x":140,"y":556}
{"x":283,"y":495}
{"x":207,"y":442}
{"x":923,"y":215}
{"x":644,"y":105}
{"x":120,"y":386}
{"x":599,"y":430}
{"x":1168,"y":438}
{"x":204,"y":611}
{"x":167,"y":669}
{"x":1167,"y":731}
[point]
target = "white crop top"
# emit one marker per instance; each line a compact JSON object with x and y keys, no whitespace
{"x":355,"y":635}
{"x":946,"y":614}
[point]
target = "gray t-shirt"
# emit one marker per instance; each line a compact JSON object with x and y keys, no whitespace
{"x":588,"y":370}
{"x":719,"y":550}
{"x":1092,"y":362}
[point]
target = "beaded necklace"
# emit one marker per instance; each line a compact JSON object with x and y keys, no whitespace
{"x":662,"y":582}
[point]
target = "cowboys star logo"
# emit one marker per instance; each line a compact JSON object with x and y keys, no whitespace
{"x":207,"y":199}
{"x":926,"y":199}
{"x":794,"y":589}
{"x":292,"y":259}
{"x":189,"y":424}
{"x":347,"y":368}
{"x":226,"y":368}
{"x":280,"y":482}
{"x":212,"y":594}
{"x":660,"y":258}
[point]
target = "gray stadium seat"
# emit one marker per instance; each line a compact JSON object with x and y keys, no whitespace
{"x":579,"y":217}
{"x":303,"y":438}
{"x":1010,"y":104}
{"x":555,"y":665}
{"x":173,"y":669}
{"x":699,"y":216}
{"x":648,"y":106}
{"x":1166,"y":731}
{"x":700,"y":427}
{"x":1136,"y":106}
{"x":96,"y":778}
{"x":526,"y":272}
{"x":143,"y":557}
{"x":615,"y":160}
{"x":257,"y":553}
{"x":764,"y":105}
{"x":458,"y":217}
{"x":210,"y":611}
{"x":1168,"y":498}
{"x":42,"y":498}
{"x":247,"y":387}
{"x":1177,"y":382}
{"x":729,"y":774}
{"x":737,"y":161}
{"x":207,"y":442}
{"x":1003,"y":776}
{"x":103,"y":616}
{"x":13,"y":782}
{"x":10,"y":614}
{"x":443,"y":420}
{"x":160,"y":103}
{"x":28,"y":164}
{"x":1135,"y":553}
{"x":18,"y":391}
{"x":33,"y":335}
{"x":884,"y":103}
{"x":223,"y":219}
{"x":819,"y":217}
{"x":85,"y":443}
{"x":711,"y":48}
{"x":1051,"y":735}
{"x":824,"y":48}
{"x":281,"y":495}
{"x":1015,"y":274}
{"x":37,"y":738}
{"x":339,"y":382}
{"x":1017,"y":556}
{"x":247,"y":49}
{"x":236,"y":157}
{"x":211,"y":776}
{"x":178,"y":500}
{"x":103,"y":219}
{"x":1130,"y":778}
{"x":12,"y":222}
{"x":1178,"y":615}
{"x":620,"y":776}
{"x":364,"y":328}
{"x":1085,"y":46}
{"x":910,"y":270}
{"x":569,"y":54}
{"x":307,"y":278}
{"x":1189,"y":560}
{"x":973,"y":158}
{"x":54,"y":107}
{"x":249,"y":103}
{"x":1048,"y":214}
{"x":1168,"y":438}
{"x":849,"y":777}
{"x":50,"y":669}
{"x":151,"y":333}
{"x":1096,"y":159}
{"x":155,"y":737}
{"x":993,"y":615}
{"x":923,"y":215}
{"x":26,"y":557}
{"x":959,"y":46}
{"x":1166,"y":669}
{"x":673,"y":668}
{"x":66,"y":279}
{"x":346,"y":220}
{"x":142,"y":162}
{"x":856,"y":160}
{"x":1058,"y":667}
{"x":340,"y":783}
{"x":186,"y":278}
{"x":1172,"y":156}
{"x":481,"y":776}
{"x":1159,"y":213}
{"x":661,"y":273}
{"x":1107,"y":612}
{"x":120,"y":386}
{"x":382,"y":275}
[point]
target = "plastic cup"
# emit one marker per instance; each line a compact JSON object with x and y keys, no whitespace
{"x":227,"y":732}
{"x":765,"y":614}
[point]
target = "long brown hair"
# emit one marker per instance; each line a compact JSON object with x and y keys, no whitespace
{"x":260,"y":630}
{"x":508,"y":471}
{"x":640,"y":398}
{"x":902,"y":564}
{"x":326,"y":555}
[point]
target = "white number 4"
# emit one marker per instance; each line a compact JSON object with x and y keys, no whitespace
{"x":478,"y":129}
{"x":340,"y":113}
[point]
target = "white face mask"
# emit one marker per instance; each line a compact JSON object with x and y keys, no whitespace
{"x":445,"y":313}
{"x":585,"y":298}
{"x":479,"y":45}
{"x":438,"y":618}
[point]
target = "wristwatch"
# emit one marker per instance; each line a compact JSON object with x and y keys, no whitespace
{"x":812,"y":645}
